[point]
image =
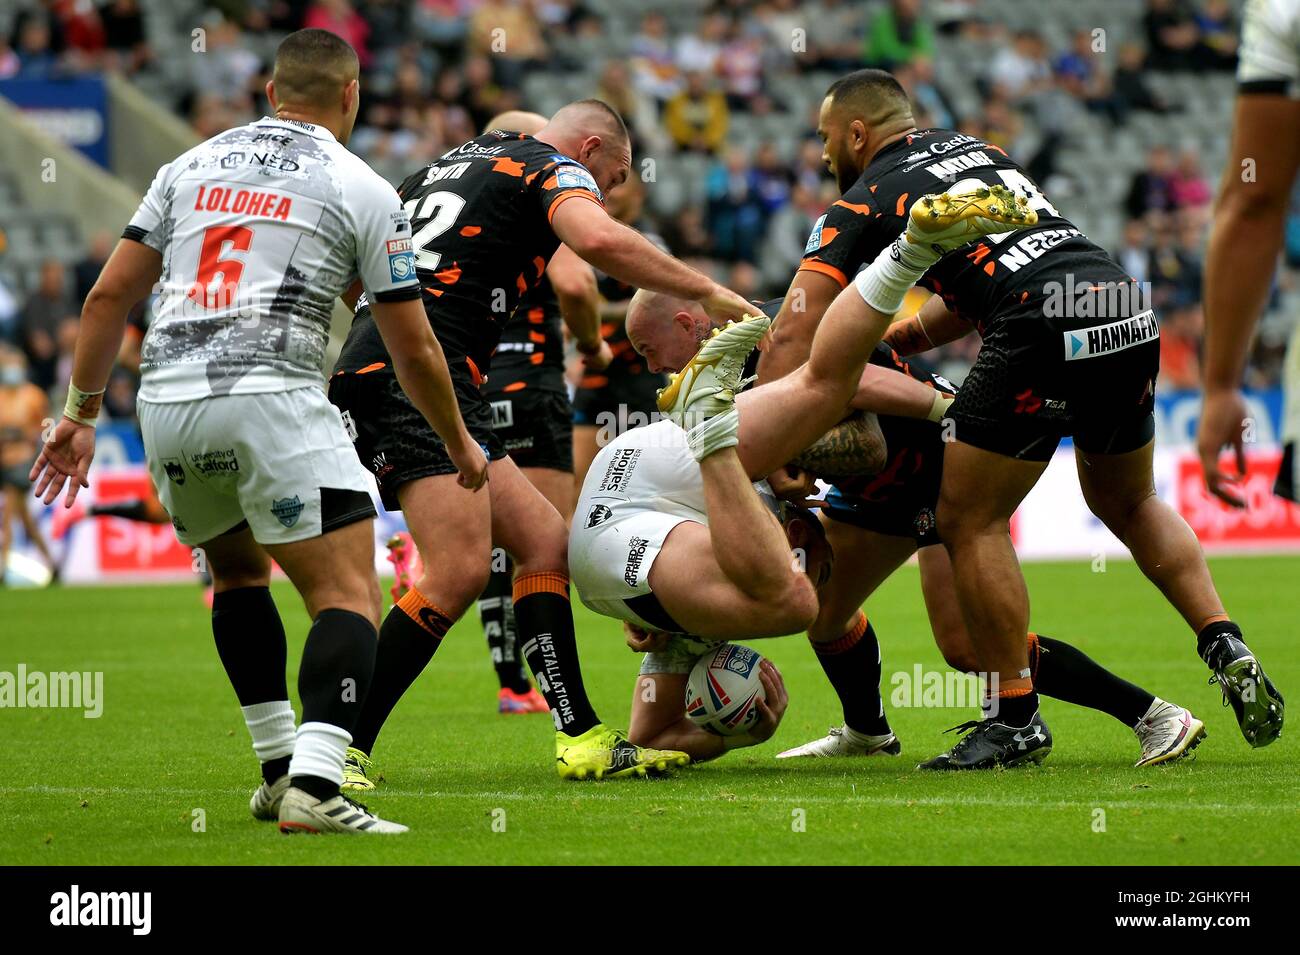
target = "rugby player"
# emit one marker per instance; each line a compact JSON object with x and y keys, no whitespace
{"x":1048,"y":368}
{"x":533,"y":419}
{"x":251,"y":236}
{"x":23,"y":409}
{"x":874,"y":522}
{"x":488,"y":216}
{"x":608,"y":401}
{"x":1246,"y":240}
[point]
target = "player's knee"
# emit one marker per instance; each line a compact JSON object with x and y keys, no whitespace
{"x":1116,"y":510}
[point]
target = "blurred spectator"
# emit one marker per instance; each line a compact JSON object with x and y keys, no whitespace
{"x":1180,"y":337}
{"x":10,"y":64}
{"x":1152,"y":188}
{"x":735,"y":208}
{"x":338,"y":16}
{"x":36,"y":58}
{"x":1172,"y":36}
{"x":637,"y":108}
{"x":86,"y":272}
{"x":1080,"y":74}
{"x":700,"y":50}
{"x":653,"y":64}
{"x":897,"y":34}
{"x":442,"y":23}
{"x":226,"y":70}
{"x":1188,"y":187}
{"x":834,"y":35}
{"x":741,"y":66}
{"x":1134,"y":253}
{"x":697,"y":117}
{"x":1175,"y":272}
{"x":509,"y":35}
{"x":917,"y":78}
{"x":124,"y":34}
{"x":809,"y":169}
{"x":1218,"y":34}
{"x":45,"y":310}
{"x":1020,"y":70}
{"x":119,"y":396}
{"x":686,"y":234}
{"x":1131,"y":89}
{"x":770,"y":179}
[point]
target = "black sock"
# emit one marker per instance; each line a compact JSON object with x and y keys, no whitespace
{"x":338,"y":662}
{"x":1211,"y":632}
{"x":852,"y":664}
{"x":1067,"y":673}
{"x":497,"y":614}
{"x":1016,"y":710}
{"x":551,"y":649}
{"x":131,"y":510}
{"x":407,"y":640}
{"x":250,"y":642}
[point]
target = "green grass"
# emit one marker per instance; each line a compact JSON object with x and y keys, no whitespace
{"x":122,"y":788}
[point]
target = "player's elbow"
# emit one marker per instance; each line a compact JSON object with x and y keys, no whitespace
{"x":576,"y":283}
{"x":795,"y":608}
{"x":1249,"y":202}
{"x":596,"y":242}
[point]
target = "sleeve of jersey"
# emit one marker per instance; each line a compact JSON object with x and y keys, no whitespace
{"x":565,"y":181}
{"x":842,"y":241}
{"x":1270,"y":54}
{"x":385,"y":253}
{"x":143,"y":226}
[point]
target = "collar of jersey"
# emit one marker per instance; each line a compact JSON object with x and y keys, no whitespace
{"x":311,"y":129}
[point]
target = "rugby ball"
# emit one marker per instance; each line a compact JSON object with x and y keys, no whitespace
{"x":723,"y":690}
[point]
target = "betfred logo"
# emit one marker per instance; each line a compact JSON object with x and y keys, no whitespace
{"x":399,"y":245}
{"x":1267,"y":520}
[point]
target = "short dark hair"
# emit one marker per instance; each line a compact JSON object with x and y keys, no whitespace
{"x":609,"y":113}
{"x":874,"y":95}
{"x":312,"y":66}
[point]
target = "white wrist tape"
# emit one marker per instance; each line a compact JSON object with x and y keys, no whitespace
{"x":939,"y":409}
{"x":82,"y":406}
{"x":884,"y":283}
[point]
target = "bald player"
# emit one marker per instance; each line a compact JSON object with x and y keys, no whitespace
{"x":875,"y":520}
{"x":251,"y":236}
{"x":488,"y":216}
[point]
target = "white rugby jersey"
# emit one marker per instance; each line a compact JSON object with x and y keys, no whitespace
{"x":1269,"y":58}
{"x":261,"y":228}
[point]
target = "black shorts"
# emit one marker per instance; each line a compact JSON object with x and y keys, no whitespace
{"x":1038,"y":379}
{"x":392,"y":437}
{"x":902,"y":507}
{"x":535,"y":427}
{"x":625,"y":401}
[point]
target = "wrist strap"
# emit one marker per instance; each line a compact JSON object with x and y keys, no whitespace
{"x":940,"y":407}
{"x":83,"y":406}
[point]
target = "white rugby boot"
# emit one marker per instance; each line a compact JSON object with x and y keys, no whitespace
{"x":845,"y":741}
{"x":1167,"y":732}
{"x":708,"y":384}
{"x":302,"y":812}
{"x":265,"y":804}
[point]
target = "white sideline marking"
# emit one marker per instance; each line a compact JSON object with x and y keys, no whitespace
{"x":569,"y":795}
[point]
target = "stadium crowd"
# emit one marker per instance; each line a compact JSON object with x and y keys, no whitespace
{"x":435,"y":70}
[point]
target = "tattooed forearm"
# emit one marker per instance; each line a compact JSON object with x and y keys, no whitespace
{"x":853,"y":448}
{"x":908,"y":336}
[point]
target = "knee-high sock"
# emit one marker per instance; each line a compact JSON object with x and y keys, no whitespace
{"x":545,"y":621}
{"x":852,"y":664}
{"x":408,"y":639}
{"x":250,"y":642}
{"x":1067,"y":673}
{"x":333,"y":679}
{"x":497,"y":614}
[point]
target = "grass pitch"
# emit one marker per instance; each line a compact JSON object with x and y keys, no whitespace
{"x":124,"y":788}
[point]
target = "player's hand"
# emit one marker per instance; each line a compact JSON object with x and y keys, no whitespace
{"x":645,"y":641}
{"x":470,"y":460}
{"x":65,"y":459}
{"x":1223,"y":424}
{"x":795,"y":485}
{"x":723,"y":303}
{"x":771,"y":710}
{"x":599,"y":359}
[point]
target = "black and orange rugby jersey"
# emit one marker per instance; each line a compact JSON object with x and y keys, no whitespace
{"x":482,"y":237}
{"x":978,"y":279}
{"x":531,"y":351}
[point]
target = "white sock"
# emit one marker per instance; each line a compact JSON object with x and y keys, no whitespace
{"x":720,"y":431}
{"x":271,"y":726}
{"x":898,"y":267}
{"x":319,"y":751}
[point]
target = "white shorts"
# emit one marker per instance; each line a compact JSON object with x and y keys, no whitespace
{"x":280,"y":461}
{"x":639,"y":487}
